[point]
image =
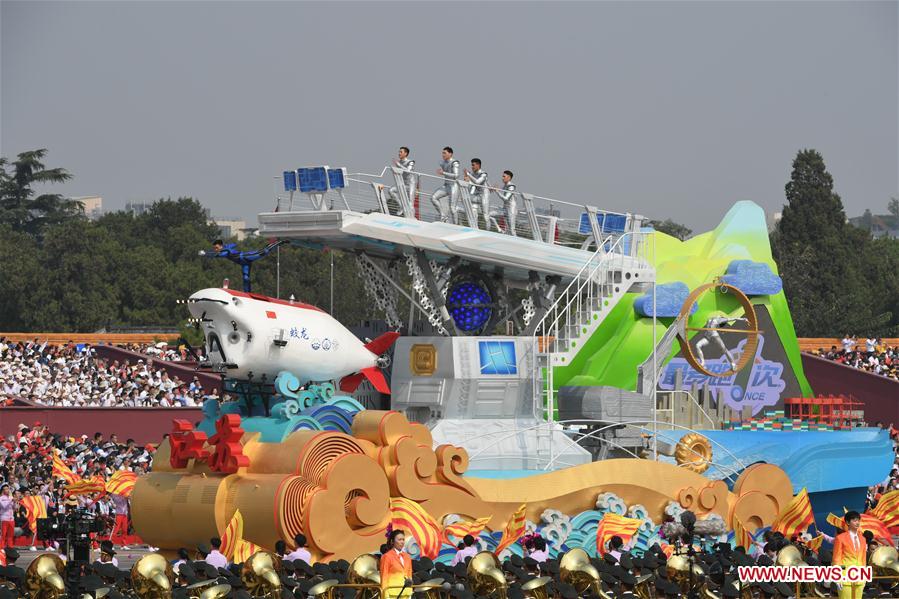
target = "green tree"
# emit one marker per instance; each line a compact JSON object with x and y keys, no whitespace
{"x":18,"y":272}
{"x":24,"y":211}
{"x":893,"y":207}
{"x":669,"y":227}
{"x":824,"y":262}
{"x":82,"y":269}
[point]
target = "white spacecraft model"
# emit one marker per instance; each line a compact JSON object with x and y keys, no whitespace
{"x":255,"y":337}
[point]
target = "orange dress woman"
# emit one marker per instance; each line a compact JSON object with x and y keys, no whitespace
{"x":396,"y":568}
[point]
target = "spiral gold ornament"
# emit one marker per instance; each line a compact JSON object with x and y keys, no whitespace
{"x":694,"y":452}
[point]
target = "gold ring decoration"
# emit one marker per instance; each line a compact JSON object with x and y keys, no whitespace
{"x":694,"y":452}
{"x":751,"y":331}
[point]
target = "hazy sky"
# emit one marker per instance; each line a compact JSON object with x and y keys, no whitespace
{"x":670,"y":109}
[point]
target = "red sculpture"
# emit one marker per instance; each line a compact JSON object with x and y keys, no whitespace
{"x":228,"y":455}
{"x":186,"y":444}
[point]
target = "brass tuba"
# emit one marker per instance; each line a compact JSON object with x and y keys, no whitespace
{"x":885,"y":561}
{"x":324,"y":589}
{"x":260,"y":575}
{"x":152,"y":577}
{"x":431,"y":589}
{"x":678,"y":567}
{"x":219,"y":591}
{"x":536,"y":588}
{"x":485,"y":577}
{"x":790,"y":555}
{"x":44,"y":578}
{"x":195,"y":590}
{"x":575,"y":569}
{"x":645,"y":589}
{"x":364,"y":570}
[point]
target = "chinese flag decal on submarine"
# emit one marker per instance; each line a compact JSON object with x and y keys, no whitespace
{"x":254,"y":337}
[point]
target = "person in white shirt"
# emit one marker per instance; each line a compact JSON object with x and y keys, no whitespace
{"x":540,"y":554}
{"x":469,"y":549}
{"x":300,"y":552}
{"x":848,"y":343}
{"x":871,"y":345}
{"x":107,"y":554}
{"x":615,"y":545}
{"x":183,"y":558}
{"x":215,"y":557}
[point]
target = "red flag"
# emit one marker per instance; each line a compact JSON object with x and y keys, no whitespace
{"x":796,"y":517}
{"x":614,"y":525}
{"x":887,"y":509}
{"x":742,"y":537}
{"x":86,"y":486}
{"x":868,"y":522}
{"x":815,"y":544}
{"x":34,"y":508}
{"x":515,"y":527}
{"x":244,"y":551}
{"x":411,"y":517}
{"x":464,"y":527}
{"x":60,"y":470}
{"x":121,"y":483}
{"x":232,"y":534}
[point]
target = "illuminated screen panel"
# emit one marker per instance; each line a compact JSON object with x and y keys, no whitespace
{"x":497,"y":357}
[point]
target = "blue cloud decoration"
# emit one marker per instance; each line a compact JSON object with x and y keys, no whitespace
{"x":752,"y":278}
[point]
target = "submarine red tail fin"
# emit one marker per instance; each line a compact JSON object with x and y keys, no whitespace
{"x":382,"y":343}
{"x":374,"y":375}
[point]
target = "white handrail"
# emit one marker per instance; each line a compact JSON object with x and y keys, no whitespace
{"x":568,"y":302}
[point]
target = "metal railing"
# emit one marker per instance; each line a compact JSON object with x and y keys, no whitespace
{"x":499,"y":436}
{"x":669,"y":398}
{"x":598,"y":285}
{"x":477,"y":206}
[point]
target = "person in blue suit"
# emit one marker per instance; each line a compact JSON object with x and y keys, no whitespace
{"x":245,"y":259}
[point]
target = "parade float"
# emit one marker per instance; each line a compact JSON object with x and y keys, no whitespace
{"x":626,"y":354}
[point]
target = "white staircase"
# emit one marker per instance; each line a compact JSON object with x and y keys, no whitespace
{"x":584,"y":304}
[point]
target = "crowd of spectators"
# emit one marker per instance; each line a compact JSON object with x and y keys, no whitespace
{"x":26,"y":468}
{"x":891,"y":482}
{"x":869,"y":354}
{"x":74,"y":376}
{"x":165,"y":351}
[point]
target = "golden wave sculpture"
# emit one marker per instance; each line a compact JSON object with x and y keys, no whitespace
{"x":336,"y":488}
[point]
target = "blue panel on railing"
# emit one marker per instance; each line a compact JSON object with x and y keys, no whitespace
{"x":337,"y":178}
{"x":290,"y":180}
{"x":615,"y":223}
{"x":608,"y":223}
{"x":313,"y":180}
{"x":584,"y":226}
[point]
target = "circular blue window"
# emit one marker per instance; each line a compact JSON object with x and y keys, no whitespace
{"x":470,"y":305}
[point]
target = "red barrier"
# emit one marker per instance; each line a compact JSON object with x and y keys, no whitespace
{"x":879,"y":394}
{"x":144,"y":425}
{"x":185,"y":371}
